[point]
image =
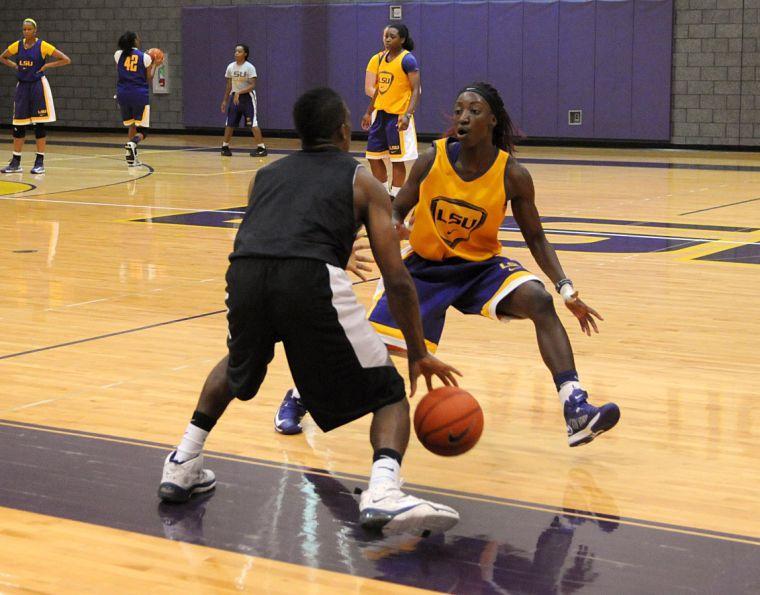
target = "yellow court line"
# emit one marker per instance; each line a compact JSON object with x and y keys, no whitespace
{"x":423,"y":489}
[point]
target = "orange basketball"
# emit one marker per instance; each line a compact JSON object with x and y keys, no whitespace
{"x":448,"y":421}
{"x":156,"y":54}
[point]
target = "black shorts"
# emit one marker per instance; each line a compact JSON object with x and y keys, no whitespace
{"x":338,"y":362}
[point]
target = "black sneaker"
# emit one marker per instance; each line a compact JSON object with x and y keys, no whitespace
{"x":14,"y":167}
{"x":259,"y":152}
{"x":39,"y":166}
{"x":131,"y":152}
{"x":226,"y":152}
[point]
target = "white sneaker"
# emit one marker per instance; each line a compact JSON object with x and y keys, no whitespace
{"x":389,"y":509}
{"x":181,"y":480}
{"x":131,"y":149}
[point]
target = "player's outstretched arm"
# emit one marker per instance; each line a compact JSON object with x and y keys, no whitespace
{"x":521,"y":193}
{"x":373,"y":209}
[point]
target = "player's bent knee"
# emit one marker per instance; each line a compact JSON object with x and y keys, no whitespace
{"x":40,"y":131}
{"x":19,"y":131}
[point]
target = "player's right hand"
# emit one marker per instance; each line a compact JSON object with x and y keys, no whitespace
{"x":366,"y":121}
{"x":430,"y":366}
{"x":224,"y":106}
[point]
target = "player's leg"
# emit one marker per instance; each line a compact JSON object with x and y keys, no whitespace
{"x":251,"y":347}
{"x":14,"y":166}
{"x":40,"y":134}
{"x":584,"y":421}
{"x":43,"y":111}
{"x":252,"y":122}
{"x":377,"y":147}
{"x":403,"y":148}
{"x":231,"y":121}
{"x":22,"y":117}
{"x":138,"y":131}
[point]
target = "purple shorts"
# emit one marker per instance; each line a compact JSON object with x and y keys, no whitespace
{"x":245,"y":110}
{"x":470,"y":287}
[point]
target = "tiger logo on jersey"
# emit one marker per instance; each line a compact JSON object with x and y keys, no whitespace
{"x":384,"y":81}
{"x":455,"y":220}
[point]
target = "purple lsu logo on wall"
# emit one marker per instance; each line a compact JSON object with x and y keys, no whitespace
{"x":455,"y":219}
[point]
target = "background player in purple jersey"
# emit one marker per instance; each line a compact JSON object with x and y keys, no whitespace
{"x":33,"y":100}
{"x":240,"y":101}
{"x":135,"y":69}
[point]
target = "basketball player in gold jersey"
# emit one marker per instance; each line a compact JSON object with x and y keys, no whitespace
{"x":461,"y":188}
{"x":392,"y":132}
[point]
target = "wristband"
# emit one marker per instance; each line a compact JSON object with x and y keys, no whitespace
{"x":565,"y":288}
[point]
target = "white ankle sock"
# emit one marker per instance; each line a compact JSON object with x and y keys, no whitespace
{"x":394,"y":191}
{"x":192,"y":443}
{"x":295,"y":394}
{"x":567,"y":389}
{"x":385,"y":470}
{"x":225,"y":144}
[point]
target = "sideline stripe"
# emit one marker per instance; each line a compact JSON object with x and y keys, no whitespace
{"x":722,"y":536}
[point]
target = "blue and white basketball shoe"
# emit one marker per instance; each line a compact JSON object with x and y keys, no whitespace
{"x":584,"y":421}
{"x":289,"y":414}
{"x":180,"y":481}
{"x":386,"y":508}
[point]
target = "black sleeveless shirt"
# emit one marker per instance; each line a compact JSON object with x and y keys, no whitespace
{"x":301,"y":206}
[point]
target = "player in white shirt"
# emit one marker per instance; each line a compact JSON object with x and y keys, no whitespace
{"x":240,"y":101}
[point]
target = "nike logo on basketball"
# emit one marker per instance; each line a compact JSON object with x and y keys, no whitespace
{"x":457,"y":437}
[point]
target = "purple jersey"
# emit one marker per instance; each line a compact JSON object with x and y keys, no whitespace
{"x":133,"y":74}
{"x":29,"y":62}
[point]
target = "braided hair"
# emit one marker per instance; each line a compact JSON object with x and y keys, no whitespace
{"x":504,"y":131}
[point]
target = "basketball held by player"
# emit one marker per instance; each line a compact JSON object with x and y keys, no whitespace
{"x":135,"y":70}
{"x":33,"y":99}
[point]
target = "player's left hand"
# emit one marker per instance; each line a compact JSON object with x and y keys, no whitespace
{"x":429,"y":366}
{"x":358,"y":263}
{"x":403,"y":122}
{"x":584,"y":313}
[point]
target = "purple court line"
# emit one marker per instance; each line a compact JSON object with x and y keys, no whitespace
{"x":541,"y":160}
{"x":460,"y":494}
{"x":731,"y":204}
{"x":132,"y":330}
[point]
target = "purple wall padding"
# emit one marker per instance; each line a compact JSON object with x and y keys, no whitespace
{"x":576,"y":67}
{"x":610,"y":58}
{"x":197,"y":97}
{"x":435,"y":51}
{"x":505,"y":55}
{"x":252,"y":31}
{"x":652,"y":49}
{"x":540,"y":67}
{"x":614,"y":69}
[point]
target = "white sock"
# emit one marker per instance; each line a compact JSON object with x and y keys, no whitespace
{"x":394,"y":191}
{"x":262,"y":145}
{"x":295,"y":394}
{"x":225,"y":144}
{"x":40,"y":154}
{"x":384,"y":470}
{"x":192,"y":443}
{"x":17,"y":154}
{"x":567,"y":389}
